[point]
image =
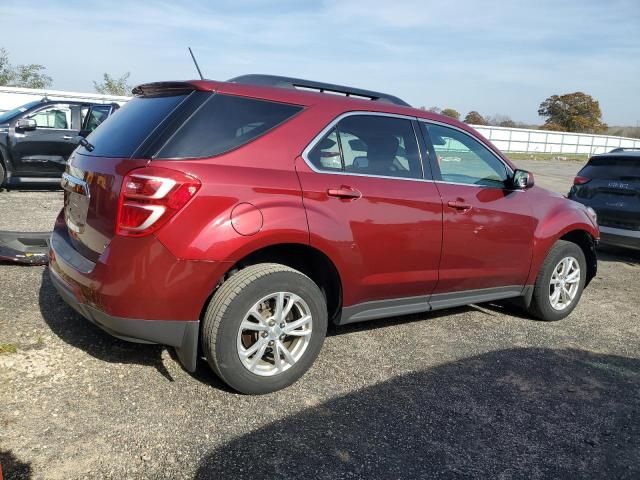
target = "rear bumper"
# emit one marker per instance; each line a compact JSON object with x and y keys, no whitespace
{"x":620,"y":237}
{"x":180,"y":334}
{"x":136,"y":290}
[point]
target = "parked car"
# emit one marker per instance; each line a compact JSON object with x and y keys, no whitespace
{"x":243,"y":216}
{"x":37,"y":138}
{"x":610,"y":184}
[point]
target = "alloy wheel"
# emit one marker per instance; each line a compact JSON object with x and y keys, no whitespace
{"x":274,"y":333}
{"x":565,"y":283}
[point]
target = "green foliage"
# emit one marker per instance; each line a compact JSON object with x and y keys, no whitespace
{"x":572,"y":112}
{"x":6,"y":72}
{"x":26,"y":76}
{"x":554,"y":127}
{"x":32,"y":76}
{"x":113,"y":86}
{"x":475,"y":118}
{"x":450,"y":112}
{"x":8,"y":348}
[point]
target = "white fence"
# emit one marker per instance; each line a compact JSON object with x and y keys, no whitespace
{"x":541,"y":141}
{"x":13,"y":97}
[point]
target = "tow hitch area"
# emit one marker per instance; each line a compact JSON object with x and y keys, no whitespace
{"x":30,"y":248}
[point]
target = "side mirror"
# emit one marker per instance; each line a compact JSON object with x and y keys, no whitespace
{"x":26,"y":124}
{"x":522,"y":179}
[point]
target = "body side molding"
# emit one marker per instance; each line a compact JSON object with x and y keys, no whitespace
{"x":404,"y":306}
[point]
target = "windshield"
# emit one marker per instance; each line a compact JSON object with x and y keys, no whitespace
{"x":6,"y":116}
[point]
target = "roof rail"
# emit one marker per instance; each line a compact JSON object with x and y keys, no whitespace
{"x":288,"y":82}
{"x":624,"y":149}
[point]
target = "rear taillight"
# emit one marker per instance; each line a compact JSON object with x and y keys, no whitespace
{"x":581,"y":180}
{"x":149,"y":197}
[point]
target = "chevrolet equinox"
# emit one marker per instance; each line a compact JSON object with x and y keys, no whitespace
{"x":234,"y":220}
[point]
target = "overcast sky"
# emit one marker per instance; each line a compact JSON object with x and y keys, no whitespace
{"x":500,"y":57}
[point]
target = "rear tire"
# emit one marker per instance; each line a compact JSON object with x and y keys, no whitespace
{"x":560,"y":282}
{"x":249,"y":334}
{"x":3,"y":175}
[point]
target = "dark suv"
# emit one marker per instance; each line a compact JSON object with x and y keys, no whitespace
{"x":37,"y":138}
{"x":610,"y":184}
{"x":240,"y":217}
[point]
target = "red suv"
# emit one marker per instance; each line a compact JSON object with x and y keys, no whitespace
{"x":235,"y":219}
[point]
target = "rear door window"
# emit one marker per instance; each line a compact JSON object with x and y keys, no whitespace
{"x":222,"y":123}
{"x":370,"y":145}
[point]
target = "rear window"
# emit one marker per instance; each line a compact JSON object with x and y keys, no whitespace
{"x":222,"y":123}
{"x":612,"y":167}
{"x":122,"y":133}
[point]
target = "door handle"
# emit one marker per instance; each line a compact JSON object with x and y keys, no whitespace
{"x":459,"y":205}
{"x":67,"y":137}
{"x":344,"y":192}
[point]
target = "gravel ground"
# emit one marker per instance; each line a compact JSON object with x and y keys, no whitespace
{"x":474,"y":392}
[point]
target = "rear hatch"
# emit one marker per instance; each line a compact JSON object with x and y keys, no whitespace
{"x":124,"y":142}
{"x":173,"y":120}
{"x":610,"y":184}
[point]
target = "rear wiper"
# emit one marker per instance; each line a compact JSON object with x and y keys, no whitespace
{"x":85,"y":143}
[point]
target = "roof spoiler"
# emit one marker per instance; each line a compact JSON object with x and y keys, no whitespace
{"x":164,"y":88}
{"x":298,"y":83}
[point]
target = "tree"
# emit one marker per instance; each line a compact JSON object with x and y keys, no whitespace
{"x":113,"y":86}
{"x":435,"y":110}
{"x":27,"y":76}
{"x":572,"y":112}
{"x":450,"y":112}
{"x":475,"y":118}
{"x":6,"y":72}
{"x":499,"y":120}
{"x":507,"y":123}
{"x":32,"y":76}
{"x":553,"y":127}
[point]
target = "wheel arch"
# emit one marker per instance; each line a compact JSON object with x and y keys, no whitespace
{"x":302,"y":257}
{"x":587,"y":244}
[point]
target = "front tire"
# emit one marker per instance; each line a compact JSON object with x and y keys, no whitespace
{"x":560,"y":282}
{"x":264,"y":328}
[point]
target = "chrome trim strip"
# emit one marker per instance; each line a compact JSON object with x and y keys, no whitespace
{"x":479,"y":186}
{"x":72,"y":184}
{"x":332,"y":124}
